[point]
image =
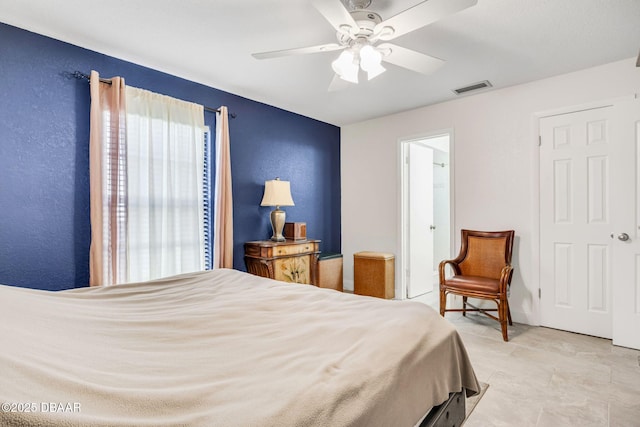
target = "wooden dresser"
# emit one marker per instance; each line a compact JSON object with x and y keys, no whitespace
{"x":293,"y":261}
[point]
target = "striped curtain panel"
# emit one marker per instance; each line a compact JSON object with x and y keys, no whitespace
{"x":223,"y":200}
{"x":107,"y":157}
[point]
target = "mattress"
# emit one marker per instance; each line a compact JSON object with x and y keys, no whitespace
{"x":222,"y":348}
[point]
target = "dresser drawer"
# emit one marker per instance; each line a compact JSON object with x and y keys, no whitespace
{"x":300,"y":248}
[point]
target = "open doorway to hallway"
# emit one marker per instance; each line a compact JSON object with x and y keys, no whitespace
{"x":426,"y":207}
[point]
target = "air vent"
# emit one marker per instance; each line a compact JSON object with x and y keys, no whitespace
{"x":475,"y":86}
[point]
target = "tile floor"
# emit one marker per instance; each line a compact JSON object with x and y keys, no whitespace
{"x":548,"y":378}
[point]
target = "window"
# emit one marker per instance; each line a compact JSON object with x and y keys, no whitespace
{"x":165,"y":182}
{"x":150,"y":185}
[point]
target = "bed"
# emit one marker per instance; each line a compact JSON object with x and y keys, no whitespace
{"x":223,"y":348}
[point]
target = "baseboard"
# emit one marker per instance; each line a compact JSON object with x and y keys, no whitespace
{"x":524,"y":317}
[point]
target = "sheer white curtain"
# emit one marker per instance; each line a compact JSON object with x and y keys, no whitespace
{"x":165,"y":166}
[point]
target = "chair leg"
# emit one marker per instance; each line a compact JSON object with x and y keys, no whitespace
{"x":464,"y":306}
{"x":508,"y":311}
{"x":503,"y":309}
{"x":443,"y":302}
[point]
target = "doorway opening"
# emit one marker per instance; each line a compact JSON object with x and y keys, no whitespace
{"x":426,"y":211}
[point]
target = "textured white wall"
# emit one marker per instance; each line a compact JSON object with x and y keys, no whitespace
{"x":495,"y":167}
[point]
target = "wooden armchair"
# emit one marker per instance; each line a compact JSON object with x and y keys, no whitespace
{"x":481,"y":270}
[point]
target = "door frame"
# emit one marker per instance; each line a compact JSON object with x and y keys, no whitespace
{"x":535,"y":193}
{"x":402,"y":200}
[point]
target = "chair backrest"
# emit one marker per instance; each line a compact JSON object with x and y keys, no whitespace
{"x":485,"y":253}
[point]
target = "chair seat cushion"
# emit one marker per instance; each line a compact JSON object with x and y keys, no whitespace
{"x":473,"y":283}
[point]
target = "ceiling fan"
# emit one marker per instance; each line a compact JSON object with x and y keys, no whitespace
{"x":362,"y":37}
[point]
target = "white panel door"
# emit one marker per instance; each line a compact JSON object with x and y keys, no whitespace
{"x":420,"y":266}
{"x":576,"y":222}
{"x":626,"y":214}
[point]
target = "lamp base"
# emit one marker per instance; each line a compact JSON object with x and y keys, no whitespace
{"x":278,"y":218}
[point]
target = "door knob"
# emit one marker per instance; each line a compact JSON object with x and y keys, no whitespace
{"x":623,"y":237}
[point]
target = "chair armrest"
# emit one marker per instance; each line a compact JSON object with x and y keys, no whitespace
{"x":505,"y":277}
{"x":441,"y":269}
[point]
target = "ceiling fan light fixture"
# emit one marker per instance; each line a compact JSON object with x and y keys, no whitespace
{"x":350,"y":73}
{"x":346,"y":66}
{"x":370,"y":59}
{"x":344,"y":58}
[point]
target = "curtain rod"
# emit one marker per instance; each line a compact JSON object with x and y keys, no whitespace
{"x":81,"y":75}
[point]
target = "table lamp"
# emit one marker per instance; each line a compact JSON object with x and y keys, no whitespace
{"x":277,"y":193}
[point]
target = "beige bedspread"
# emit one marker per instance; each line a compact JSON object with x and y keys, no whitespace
{"x":222,"y":348}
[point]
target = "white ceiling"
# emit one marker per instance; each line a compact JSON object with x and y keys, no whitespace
{"x":210,"y":41}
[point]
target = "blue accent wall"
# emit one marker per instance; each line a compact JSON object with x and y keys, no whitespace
{"x":44,"y":159}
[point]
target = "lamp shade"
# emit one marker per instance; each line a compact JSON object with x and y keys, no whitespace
{"x":277,"y":193}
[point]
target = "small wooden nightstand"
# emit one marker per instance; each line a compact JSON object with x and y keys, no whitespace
{"x":293,"y":261}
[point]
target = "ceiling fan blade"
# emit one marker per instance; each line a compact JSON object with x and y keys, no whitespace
{"x":419,"y":16}
{"x":338,"y":84}
{"x":298,"y":51}
{"x":337,"y":15}
{"x":410,"y":59}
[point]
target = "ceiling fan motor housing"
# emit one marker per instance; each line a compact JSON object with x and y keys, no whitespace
{"x":366,"y":21}
{"x":358,"y":4}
